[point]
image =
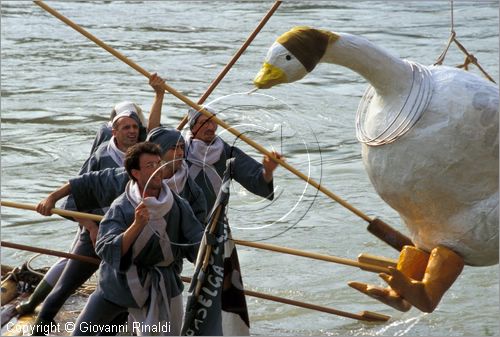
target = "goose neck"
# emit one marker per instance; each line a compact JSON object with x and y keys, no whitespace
{"x":386,"y":73}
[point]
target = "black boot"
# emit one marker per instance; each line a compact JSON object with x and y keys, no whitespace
{"x":41,"y":292}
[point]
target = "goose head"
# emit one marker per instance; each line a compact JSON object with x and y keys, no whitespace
{"x":293,"y":55}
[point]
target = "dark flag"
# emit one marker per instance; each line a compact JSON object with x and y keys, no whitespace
{"x":217,"y":305}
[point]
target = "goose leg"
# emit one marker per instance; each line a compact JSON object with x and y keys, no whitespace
{"x":442,"y":270}
{"x":384,"y":295}
{"x":412,"y":262}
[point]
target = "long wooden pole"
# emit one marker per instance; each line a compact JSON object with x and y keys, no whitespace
{"x":51,"y":252}
{"x":316,"y":256}
{"x":376,"y":226}
{"x":233,"y":59}
{"x":208,"y":250}
{"x":368,"y":316}
{"x":371,"y":266}
{"x":363,"y":316}
{"x":192,"y":104}
{"x":58,"y":211}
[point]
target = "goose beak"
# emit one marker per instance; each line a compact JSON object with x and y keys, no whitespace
{"x":269,"y":76}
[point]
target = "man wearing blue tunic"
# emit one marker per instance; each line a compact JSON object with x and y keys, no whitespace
{"x":66,"y":276}
{"x":105,"y":131}
{"x":207,"y":154}
{"x":60,"y":281}
{"x":145,"y":230}
{"x":176,"y":171}
{"x":98,"y":189}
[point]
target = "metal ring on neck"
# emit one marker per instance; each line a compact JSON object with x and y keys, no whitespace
{"x":411,"y":111}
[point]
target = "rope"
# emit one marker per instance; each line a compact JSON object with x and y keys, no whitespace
{"x":469,"y":58}
{"x":84,"y":290}
{"x":452,"y":21}
{"x":31,"y":269}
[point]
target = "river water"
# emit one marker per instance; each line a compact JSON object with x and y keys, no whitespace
{"x":58,"y":88}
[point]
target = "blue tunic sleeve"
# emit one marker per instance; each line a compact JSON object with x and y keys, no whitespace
{"x":98,"y":189}
{"x":248,"y":172}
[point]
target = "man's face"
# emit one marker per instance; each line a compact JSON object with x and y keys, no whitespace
{"x":204,"y":129}
{"x":148,"y":163}
{"x":174,"y":157}
{"x":126,"y":132}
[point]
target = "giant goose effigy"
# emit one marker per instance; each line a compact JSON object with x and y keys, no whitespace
{"x":429,"y":139}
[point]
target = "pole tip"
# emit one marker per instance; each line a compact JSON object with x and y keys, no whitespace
{"x":374,"y":317}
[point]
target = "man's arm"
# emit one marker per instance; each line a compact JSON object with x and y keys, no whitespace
{"x":45,"y":206}
{"x":156,"y":82}
{"x":98,"y":189}
{"x":132,"y":232}
{"x":269,"y":166}
{"x":257,"y":178}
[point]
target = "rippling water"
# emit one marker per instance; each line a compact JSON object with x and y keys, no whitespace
{"x":57,"y":88}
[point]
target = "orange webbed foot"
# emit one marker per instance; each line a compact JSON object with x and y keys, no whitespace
{"x":413,"y":291}
{"x":384,"y":295}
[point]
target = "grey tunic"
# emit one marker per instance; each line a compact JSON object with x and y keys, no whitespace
{"x":99,"y":160}
{"x":247,"y":171}
{"x":183,"y":228}
{"x":98,"y":190}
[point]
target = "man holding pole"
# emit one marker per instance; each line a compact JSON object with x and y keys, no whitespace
{"x":125,"y":130}
{"x":56,"y":288}
{"x":208,"y":157}
{"x":99,"y":189}
{"x":207,"y":154}
{"x":145,"y":230}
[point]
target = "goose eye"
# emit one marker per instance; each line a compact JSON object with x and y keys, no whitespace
{"x":288,"y":57}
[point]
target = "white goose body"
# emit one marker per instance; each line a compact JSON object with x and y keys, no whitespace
{"x":441,"y":173}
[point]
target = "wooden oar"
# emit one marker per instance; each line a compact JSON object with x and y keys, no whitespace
{"x":369,"y":316}
{"x":57,"y":211}
{"x":363,"y":316}
{"x":233,"y":60}
{"x":374,"y":265}
{"x":380,"y":261}
{"x":376,"y":226}
{"x":51,"y":252}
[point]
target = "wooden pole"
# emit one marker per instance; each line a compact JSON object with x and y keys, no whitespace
{"x":57,"y":211}
{"x":316,"y":256}
{"x":235,"y":58}
{"x":386,"y":234}
{"x":51,"y":252}
{"x":364,"y":316}
{"x":208,"y":250}
{"x":197,"y":107}
{"x":372,"y":265}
